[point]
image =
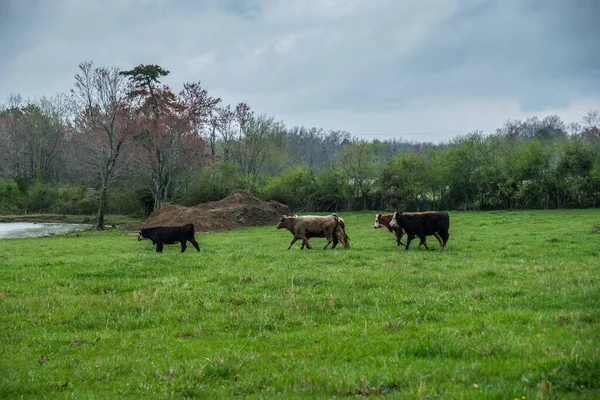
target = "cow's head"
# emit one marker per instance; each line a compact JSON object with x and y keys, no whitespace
{"x":396,"y":219}
{"x":284,"y":221}
{"x":141,"y":234}
{"x":378,"y":220}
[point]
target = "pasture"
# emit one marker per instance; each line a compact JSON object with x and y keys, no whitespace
{"x":511,"y":308}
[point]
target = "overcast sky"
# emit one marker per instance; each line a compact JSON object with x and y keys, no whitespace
{"x":423,"y":70}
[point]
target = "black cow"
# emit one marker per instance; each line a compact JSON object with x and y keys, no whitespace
{"x":422,"y":225}
{"x":161,"y":235}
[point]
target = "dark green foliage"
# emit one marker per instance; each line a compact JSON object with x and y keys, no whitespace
{"x":11,"y":197}
{"x":145,"y":78}
{"x":58,"y":198}
{"x":211,"y":184}
{"x":294,"y":187}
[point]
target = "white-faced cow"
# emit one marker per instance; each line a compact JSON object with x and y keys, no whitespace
{"x":309,"y":226}
{"x":423,"y":225}
{"x":161,"y":235}
{"x":384,"y":220}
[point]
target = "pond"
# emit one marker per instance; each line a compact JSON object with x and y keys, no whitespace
{"x":17,"y":230}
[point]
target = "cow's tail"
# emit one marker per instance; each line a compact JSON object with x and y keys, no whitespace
{"x":336,"y":219}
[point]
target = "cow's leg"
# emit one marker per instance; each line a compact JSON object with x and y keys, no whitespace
{"x":330,"y":239}
{"x":399,"y":239}
{"x":439,"y":239}
{"x":194,"y":243}
{"x":305,"y":242}
{"x":294,"y":241}
{"x":336,"y":240}
{"x":423,"y":241}
{"x":159,"y":246}
{"x":410,"y":238}
{"x":183,"y":245}
{"x":445,"y":235}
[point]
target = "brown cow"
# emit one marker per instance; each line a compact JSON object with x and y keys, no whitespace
{"x":309,"y":226}
{"x":384,"y":220}
{"x":338,"y":236}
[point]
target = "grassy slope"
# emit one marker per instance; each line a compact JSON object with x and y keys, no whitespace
{"x":512,"y":308}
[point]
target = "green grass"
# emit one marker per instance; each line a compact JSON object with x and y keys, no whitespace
{"x":510,"y":309}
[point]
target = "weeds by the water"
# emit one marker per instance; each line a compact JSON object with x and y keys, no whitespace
{"x":510,"y":309}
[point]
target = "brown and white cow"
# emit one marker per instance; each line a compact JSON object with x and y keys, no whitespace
{"x":306,"y":227}
{"x":423,"y":225}
{"x":384,"y":220}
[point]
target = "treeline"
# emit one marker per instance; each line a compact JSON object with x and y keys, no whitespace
{"x":123,"y":142}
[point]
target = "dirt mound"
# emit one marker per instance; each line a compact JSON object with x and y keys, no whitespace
{"x":240,"y":209}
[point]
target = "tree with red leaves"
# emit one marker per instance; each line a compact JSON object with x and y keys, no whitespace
{"x":170,"y":141}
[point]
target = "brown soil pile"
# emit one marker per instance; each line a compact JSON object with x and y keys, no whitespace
{"x":240,"y":209}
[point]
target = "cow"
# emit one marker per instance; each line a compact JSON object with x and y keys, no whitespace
{"x":383,"y":220}
{"x":161,"y":235}
{"x":308,"y":226}
{"x":338,"y":236}
{"x":423,"y":225}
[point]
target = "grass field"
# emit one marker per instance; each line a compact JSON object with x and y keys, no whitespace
{"x":511,"y":308}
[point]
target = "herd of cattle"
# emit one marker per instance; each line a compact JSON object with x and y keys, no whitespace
{"x":330,"y":227}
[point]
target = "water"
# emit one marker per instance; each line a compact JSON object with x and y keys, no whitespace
{"x":17,"y":230}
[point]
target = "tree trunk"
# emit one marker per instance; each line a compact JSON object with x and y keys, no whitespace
{"x":102,"y":207}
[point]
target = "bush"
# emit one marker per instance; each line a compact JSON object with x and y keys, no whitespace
{"x":331,"y":192}
{"x":211,"y":185}
{"x":11,"y":197}
{"x":293,"y":187}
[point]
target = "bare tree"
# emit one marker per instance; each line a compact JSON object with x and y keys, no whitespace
{"x":261,"y":141}
{"x":106,"y":123}
{"x":31,"y":137}
{"x":228,"y":130}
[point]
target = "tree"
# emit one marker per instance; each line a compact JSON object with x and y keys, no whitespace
{"x":260,"y":146}
{"x":357,"y":162}
{"x":169,"y":138}
{"x":106,"y":122}
{"x":31,"y":136}
{"x":591,"y":128}
{"x":464,"y":157}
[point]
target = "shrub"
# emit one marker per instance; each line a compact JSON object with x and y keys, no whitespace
{"x":293,"y":187}
{"x":11,"y":196}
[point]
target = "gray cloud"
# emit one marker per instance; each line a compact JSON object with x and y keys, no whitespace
{"x":385,"y":67}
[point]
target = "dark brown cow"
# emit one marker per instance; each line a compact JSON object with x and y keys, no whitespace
{"x":423,"y":225}
{"x":161,"y":235}
{"x":384,"y":220}
{"x":306,"y":227}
